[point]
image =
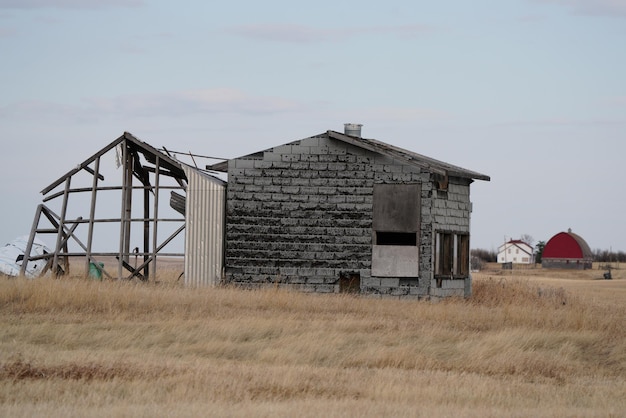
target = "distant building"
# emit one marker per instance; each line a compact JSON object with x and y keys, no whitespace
{"x":567,"y":250}
{"x":516,"y":252}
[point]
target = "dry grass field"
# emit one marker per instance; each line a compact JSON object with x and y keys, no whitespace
{"x":528,"y":343}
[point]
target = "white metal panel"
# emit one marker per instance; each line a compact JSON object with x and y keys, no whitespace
{"x":205,"y":208}
{"x":11,"y":256}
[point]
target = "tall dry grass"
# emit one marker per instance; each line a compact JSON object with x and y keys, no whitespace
{"x":76,"y":347}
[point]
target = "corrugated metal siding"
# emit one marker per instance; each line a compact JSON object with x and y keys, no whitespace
{"x":204,"y":228}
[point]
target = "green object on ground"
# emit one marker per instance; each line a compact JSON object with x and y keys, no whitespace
{"x":95,"y":271}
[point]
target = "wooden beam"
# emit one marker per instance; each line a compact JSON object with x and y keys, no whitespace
{"x":82,"y":165}
{"x":92,"y":213}
{"x":134,"y":271}
{"x":93,"y":173}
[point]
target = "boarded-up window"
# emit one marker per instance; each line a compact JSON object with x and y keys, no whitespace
{"x":396,"y":224}
{"x":452,"y":254}
{"x":396,"y":207}
{"x":463,"y":246}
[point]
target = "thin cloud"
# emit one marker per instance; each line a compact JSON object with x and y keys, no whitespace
{"x":196,"y":101}
{"x":560,"y":121}
{"x":530,"y":18}
{"x":38,"y":110}
{"x":68,"y":4}
{"x":7,"y":33}
{"x":403,"y":114}
{"x":174,"y":104}
{"x":132,"y":49}
{"x":307,"y":34}
{"x":619,"y":101}
{"x":612,"y":8}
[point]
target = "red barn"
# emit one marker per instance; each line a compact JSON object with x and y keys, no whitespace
{"x":567,"y":250}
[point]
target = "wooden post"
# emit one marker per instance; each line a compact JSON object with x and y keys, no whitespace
{"x":60,"y":229}
{"x":31,"y":238}
{"x":128,"y":196}
{"x":120,"y":260}
{"x":157,"y":177}
{"x":146,"y":222}
{"x":92,"y":214}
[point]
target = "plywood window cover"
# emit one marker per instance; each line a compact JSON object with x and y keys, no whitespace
{"x":396,"y":223}
{"x":452,"y":254}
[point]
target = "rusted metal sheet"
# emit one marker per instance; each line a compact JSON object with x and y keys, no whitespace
{"x":205,"y":209}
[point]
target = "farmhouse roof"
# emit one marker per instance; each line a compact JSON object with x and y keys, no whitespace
{"x":379,"y":147}
{"x":518,"y":243}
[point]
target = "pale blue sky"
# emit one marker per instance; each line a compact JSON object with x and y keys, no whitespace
{"x":530,"y":92}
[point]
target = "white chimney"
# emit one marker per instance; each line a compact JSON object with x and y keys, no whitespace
{"x":352,"y":129}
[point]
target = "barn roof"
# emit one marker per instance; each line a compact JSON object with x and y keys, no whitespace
{"x":567,"y":245}
{"x":379,"y":147}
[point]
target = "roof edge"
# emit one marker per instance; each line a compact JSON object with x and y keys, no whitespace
{"x":419,"y":160}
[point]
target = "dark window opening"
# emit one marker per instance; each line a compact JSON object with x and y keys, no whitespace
{"x":409,"y":281}
{"x":441,"y":182}
{"x":396,"y":238}
{"x":349,"y":282}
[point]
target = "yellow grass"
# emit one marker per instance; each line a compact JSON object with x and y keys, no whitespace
{"x":529,"y":343}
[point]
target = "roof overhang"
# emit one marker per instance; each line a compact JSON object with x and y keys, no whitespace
{"x":429,"y":164}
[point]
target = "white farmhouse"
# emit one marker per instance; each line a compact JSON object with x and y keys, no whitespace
{"x":515,"y":251}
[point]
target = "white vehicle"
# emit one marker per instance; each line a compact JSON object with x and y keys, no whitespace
{"x":12,"y":255}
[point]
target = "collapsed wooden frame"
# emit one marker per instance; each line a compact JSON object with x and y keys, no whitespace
{"x":150,"y":175}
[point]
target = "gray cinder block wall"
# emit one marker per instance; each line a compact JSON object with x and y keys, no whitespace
{"x":300,"y":215}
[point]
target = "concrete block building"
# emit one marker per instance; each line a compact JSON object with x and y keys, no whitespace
{"x":336,"y":212}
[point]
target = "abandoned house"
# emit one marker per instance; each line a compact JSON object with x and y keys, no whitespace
{"x":330,"y":213}
{"x":339,"y":213}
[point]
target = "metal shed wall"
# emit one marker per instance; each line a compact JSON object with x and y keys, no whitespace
{"x":204,"y":224}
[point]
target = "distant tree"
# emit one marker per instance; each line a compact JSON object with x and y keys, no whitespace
{"x":528,"y":239}
{"x":601,"y":256}
{"x":539,"y":251}
{"x":608,"y":256}
{"x":485,"y":255}
{"x":476,"y":263}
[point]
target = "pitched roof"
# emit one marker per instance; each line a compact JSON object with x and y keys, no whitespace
{"x":516,"y":243}
{"x":422,"y":161}
{"x":379,"y":147}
